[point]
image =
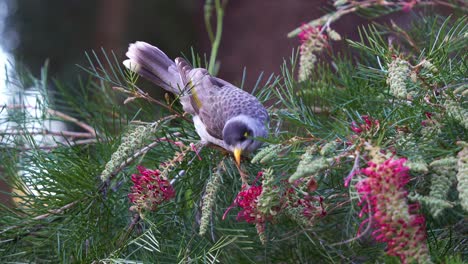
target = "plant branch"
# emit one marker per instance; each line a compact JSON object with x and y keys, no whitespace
{"x":66,"y":117}
{"x":209,"y":28}
{"x":138,"y":93}
{"x":63,"y":133}
{"x":356,"y":6}
{"x":139,"y":153}
{"x":217,"y":40}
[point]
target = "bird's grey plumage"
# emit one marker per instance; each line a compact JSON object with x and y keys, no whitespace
{"x":214,"y":101}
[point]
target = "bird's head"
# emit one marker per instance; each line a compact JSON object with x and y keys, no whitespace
{"x":240,"y":135}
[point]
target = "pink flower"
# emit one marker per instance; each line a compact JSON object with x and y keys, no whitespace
{"x":396,"y":223}
{"x":308,"y":32}
{"x":149,"y":190}
{"x":313,"y":41}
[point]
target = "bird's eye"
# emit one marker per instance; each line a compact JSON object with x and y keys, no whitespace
{"x":246,"y":134}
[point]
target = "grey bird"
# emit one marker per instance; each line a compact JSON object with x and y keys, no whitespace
{"x":223,"y":114}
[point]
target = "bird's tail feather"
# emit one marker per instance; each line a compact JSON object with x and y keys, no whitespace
{"x":154,"y":65}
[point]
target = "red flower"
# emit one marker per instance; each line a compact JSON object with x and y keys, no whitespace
{"x":247,"y":200}
{"x":369,"y":125}
{"x":384,"y":199}
{"x":149,"y":189}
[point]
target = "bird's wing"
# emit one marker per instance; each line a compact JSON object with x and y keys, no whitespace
{"x":226,"y":102}
{"x":201,"y":95}
{"x":214,"y":100}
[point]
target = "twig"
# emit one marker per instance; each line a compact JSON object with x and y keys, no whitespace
{"x":405,"y":35}
{"x":139,"y":153}
{"x":368,"y":227}
{"x":244,"y":176}
{"x":135,"y":220}
{"x":43,"y":216}
{"x":49,"y":147}
{"x":142,"y":95}
{"x":217,"y":40}
{"x":66,"y":117}
{"x":208,"y":8}
{"x":56,"y":211}
{"x":355,"y":6}
{"x":355,"y":168}
{"x":64,"y":133}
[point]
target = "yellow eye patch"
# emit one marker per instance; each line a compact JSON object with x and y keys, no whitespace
{"x":246,"y":134}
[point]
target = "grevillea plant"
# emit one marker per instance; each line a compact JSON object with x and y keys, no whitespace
{"x":365,"y":161}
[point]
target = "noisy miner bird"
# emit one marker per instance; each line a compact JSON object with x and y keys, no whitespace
{"x":222,"y":113}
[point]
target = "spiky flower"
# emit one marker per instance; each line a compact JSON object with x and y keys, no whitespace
{"x":149,"y":190}
{"x":257,"y":204}
{"x":247,"y":199}
{"x":398,"y":75}
{"x":313,"y":41}
{"x":208,"y":200}
{"x":462,"y":175}
{"x":384,"y":199}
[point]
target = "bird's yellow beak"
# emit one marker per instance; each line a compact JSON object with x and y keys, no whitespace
{"x":237,"y":155}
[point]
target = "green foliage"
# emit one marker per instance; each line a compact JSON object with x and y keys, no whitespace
{"x":64,"y":212}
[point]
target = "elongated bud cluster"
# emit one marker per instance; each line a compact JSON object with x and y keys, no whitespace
{"x":398,"y":75}
{"x":267,"y":154}
{"x":417,"y":164}
{"x":209,"y":200}
{"x":339,"y":3}
{"x":313,"y":161}
{"x":444,"y":171}
{"x":310,"y":164}
{"x":442,"y":176}
{"x":455,"y":109}
{"x":429,"y":66}
{"x":132,"y":141}
{"x":269,"y":200}
{"x":462,"y":176}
